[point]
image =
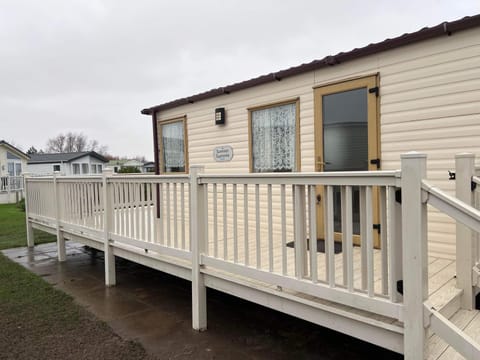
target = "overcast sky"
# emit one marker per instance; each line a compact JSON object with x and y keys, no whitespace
{"x":91,"y":65}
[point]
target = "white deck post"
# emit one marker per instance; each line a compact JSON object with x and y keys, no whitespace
{"x":198,"y":242}
{"x":415,"y":269}
{"x":464,"y":170}
{"x":30,"y":236}
{"x":61,"y":252}
{"x":110,"y":275}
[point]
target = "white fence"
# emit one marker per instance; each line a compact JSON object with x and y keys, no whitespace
{"x":258,"y":227}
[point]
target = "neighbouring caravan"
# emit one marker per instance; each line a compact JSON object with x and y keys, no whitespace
{"x":357,"y":110}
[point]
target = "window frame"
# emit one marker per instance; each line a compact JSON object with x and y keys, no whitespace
{"x":295,"y":101}
{"x":160,"y":123}
{"x":79,"y":169}
{"x":57,"y":165}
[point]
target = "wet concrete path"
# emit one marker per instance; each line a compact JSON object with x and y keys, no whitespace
{"x":155,"y":309}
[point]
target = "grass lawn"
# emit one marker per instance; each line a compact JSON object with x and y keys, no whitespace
{"x":38,"y":321}
{"x":13,"y":232}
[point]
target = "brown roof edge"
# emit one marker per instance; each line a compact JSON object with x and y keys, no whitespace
{"x":3,"y":142}
{"x":445,"y":28}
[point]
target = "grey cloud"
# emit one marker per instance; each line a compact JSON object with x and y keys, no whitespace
{"x":91,"y":65}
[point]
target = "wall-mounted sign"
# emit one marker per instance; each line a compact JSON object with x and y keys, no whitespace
{"x":223,"y":153}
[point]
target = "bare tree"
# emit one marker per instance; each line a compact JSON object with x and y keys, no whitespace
{"x":56,"y":144}
{"x":73,"y":142}
{"x":32,"y":150}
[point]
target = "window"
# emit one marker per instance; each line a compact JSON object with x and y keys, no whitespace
{"x":11,"y":169}
{"x":94,"y":168}
{"x":14,"y":164}
{"x":173,"y":149}
{"x":274,"y":138}
{"x":56,"y":167}
{"x":84,"y":168}
{"x":76,"y":169}
{"x":99,"y":168}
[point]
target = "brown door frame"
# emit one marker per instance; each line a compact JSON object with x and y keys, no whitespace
{"x":369,"y":82}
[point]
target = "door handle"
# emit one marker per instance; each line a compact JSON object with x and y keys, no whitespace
{"x":319,"y":164}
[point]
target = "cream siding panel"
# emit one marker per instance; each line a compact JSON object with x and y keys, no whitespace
{"x":40,"y":169}
{"x":429,"y":102}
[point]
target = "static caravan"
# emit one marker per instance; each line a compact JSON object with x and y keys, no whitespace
{"x":72,"y":163}
{"x":251,"y":174}
{"x":353,"y":111}
{"x":13,"y":163}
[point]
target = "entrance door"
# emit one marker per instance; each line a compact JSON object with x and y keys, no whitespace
{"x":346,"y":139}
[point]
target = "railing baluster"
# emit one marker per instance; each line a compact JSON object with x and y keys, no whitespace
{"x":126,"y":203}
{"x":300,"y":246}
{"x":67,"y":202}
{"x":225,"y":222}
{"x":175,"y":224}
{"x":81,"y":200}
{"x":85,"y":203}
{"x":363,"y":245}
{"x":270,"y":228}
{"x":143,"y":211}
{"x":182,"y":215}
{"x":148,"y":208}
{"x":77,"y":203}
{"x":257,"y":226}
{"x":96,"y":220}
{"x":344,"y":240}
{"x":131,"y":189}
{"x":394,"y":245}
{"x":235,"y":235}
{"x":284,"y":229}
{"x":245,"y":224}
{"x":161,"y":223}
{"x":349,"y":237}
{"x":168,"y":217}
{"x":215,"y":222}
{"x":92,"y":204}
{"x":136,"y":209}
{"x":330,"y":238}
{"x":369,"y":237}
{"x":118,"y":209}
{"x":383,"y":238}
{"x":156,"y":210}
{"x":312,"y":202}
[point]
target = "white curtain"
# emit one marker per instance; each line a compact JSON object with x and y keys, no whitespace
{"x":173,"y":147}
{"x":273,"y":138}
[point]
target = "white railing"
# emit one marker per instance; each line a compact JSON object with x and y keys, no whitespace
{"x":258,"y":227}
{"x":11,"y":183}
{"x":467,"y":245}
{"x":252,"y":218}
{"x":255,"y":225}
{"x":460,"y":208}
